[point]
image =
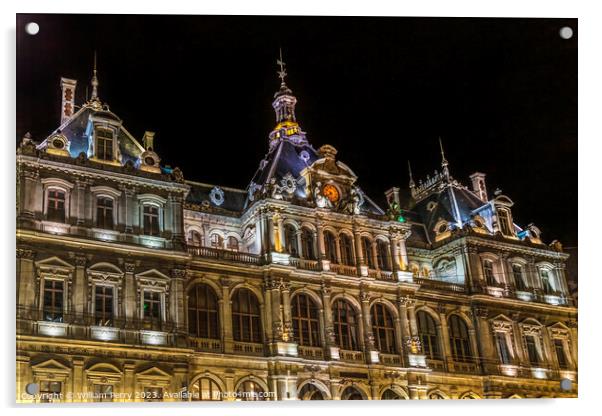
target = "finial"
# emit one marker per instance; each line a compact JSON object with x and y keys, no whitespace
{"x":443,"y":160}
{"x":282,"y":73}
{"x":412,"y":184}
{"x":94,"y":81}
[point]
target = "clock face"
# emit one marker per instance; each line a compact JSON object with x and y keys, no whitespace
{"x":331,"y":192}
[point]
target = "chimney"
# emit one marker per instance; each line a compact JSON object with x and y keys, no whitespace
{"x":68,"y":98}
{"x":148,"y":140}
{"x":392,"y":196}
{"x":478,"y":185}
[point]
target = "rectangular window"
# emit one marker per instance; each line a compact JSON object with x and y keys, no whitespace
{"x":103,"y":305}
{"x":104,"y":144}
{"x":502,"y":347}
{"x":560,"y":355}
{"x":103,"y":393}
{"x":104,"y":213}
{"x":153,"y":394}
{"x":53,"y":300}
{"x":151,"y":220}
{"x":56,"y":206}
{"x":545,"y":282}
{"x":50,"y":391}
{"x":152,"y":305}
{"x":532,"y":350}
{"x":519,"y":281}
{"x":504,"y":222}
{"x":488,"y":271}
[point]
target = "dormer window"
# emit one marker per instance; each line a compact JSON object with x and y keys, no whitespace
{"x":504,"y":222}
{"x":104,"y":144}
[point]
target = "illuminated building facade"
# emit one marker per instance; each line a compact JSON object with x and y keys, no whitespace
{"x":135,"y":284}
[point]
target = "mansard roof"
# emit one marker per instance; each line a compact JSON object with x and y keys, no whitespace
{"x":215,"y":198}
{"x":78,"y":132}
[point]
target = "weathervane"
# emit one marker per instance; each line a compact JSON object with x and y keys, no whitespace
{"x":282,"y":64}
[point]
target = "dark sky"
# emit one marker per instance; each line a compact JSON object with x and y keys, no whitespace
{"x":502,"y":94}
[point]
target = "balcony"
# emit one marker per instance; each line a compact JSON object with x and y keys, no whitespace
{"x":390,"y":359}
{"x":305,"y":264}
{"x":226,"y":255}
{"x":248,"y":348}
{"x":381,"y":275}
{"x":312,"y":353}
{"x":352,"y":356}
{"x":439,"y":285}
{"x":206,"y":344}
{"x":343,"y":269}
{"x":468,"y":368}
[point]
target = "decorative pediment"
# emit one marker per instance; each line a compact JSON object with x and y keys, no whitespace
{"x":50,"y":366}
{"x":153,"y":373}
{"x":106,"y":268}
{"x":153,"y":278}
{"x":55,"y":266}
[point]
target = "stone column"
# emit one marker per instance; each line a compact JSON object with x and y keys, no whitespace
{"x":406,"y":334}
{"x":129,"y":380}
{"x":177,"y":312}
{"x":30,"y":195}
{"x":374,"y":254}
{"x":445,"y":344}
{"x":179,"y":381}
{"x":559,"y":270}
{"x":474,"y":267}
{"x":26,"y":284}
{"x":177,"y":225}
{"x":320,"y":240}
{"x":369,"y":346}
{"x":359,"y":255}
{"x":395,"y":253}
{"x":286,"y":311}
{"x":279,"y":233}
{"x":332,"y":350}
{"x":24,"y":377}
{"x":487,"y":353}
{"x":80,"y":201}
{"x":271,"y":232}
{"x":335,"y":386}
{"x":226,"y":309}
{"x":572,"y":324}
{"x":129,"y":209}
{"x":274,"y":287}
{"x":129,"y":295}
{"x":80,"y":291}
{"x":78,"y":382}
{"x":300,"y":252}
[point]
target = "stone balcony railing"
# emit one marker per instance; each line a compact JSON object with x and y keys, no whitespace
{"x":206,"y":344}
{"x":227,"y":255}
{"x":315,"y":353}
{"x":352,"y":356}
{"x":249,"y":348}
{"x":343,"y":269}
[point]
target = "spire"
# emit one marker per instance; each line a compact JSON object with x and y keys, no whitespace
{"x":412,"y":184}
{"x":284,"y":100}
{"x":94,"y":82}
{"x":282,"y":73}
{"x":444,"y":163}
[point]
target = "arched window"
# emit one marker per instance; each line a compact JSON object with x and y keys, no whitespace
{"x":383,"y":329}
{"x":310,"y":392}
{"x":351,"y":393}
{"x":345,"y":325}
{"x":290,"y":240}
{"x":389,"y":394}
{"x":195,"y":239}
{"x":306,"y":323}
{"x":459,"y":339}
{"x":346,"y":250}
{"x":307,"y":239}
{"x":382,"y":253}
{"x":367,"y":252}
{"x":429,"y":336}
{"x":436,"y":396}
{"x":203,"y":315}
{"x":489,"y":274}
{"x":205,"y":389}
{"x":330,"y":246}
{"x":232,"y":243}
{"x":217,"y":241}
{"x":246,"y":316}
{"x":249,"y":391}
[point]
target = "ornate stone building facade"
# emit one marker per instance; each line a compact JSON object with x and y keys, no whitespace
{"x":135,"y":284}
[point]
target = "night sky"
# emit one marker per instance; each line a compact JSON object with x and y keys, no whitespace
{"x":502,"y":94}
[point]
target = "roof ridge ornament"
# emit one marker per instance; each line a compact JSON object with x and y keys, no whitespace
{"x":282,"y":73}
{"x":444,"y":162}
{"x":94,"y":100}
